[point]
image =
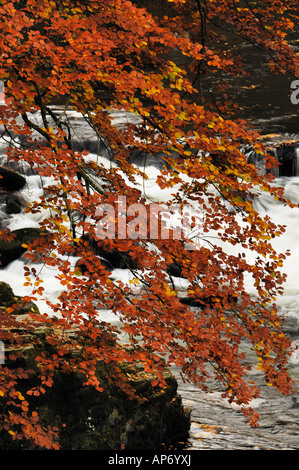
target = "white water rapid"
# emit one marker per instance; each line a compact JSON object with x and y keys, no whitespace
{"x":288,"y":303}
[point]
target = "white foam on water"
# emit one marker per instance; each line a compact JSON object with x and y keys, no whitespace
{"x":264,"y":203}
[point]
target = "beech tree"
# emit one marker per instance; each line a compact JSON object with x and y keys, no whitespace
{"x":98,"y":57}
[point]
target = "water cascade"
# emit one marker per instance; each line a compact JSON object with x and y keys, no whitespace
{"x":287,"y":175}
{"x":286,"y":152}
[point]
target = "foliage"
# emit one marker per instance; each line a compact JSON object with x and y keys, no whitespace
{"x":98,"y":57}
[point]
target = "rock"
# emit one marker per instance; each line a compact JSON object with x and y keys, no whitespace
{"x":22,"y":308}
{"x":13,"y":208}
{"x":93,"y":420}
{"x":193,"y":302}
{"x":110,"y":421}
{"x":14,"y":204}
{"x":287,"y":156}
{"x":159,"y":160}
{"x":116,"y":259}
{"x":12,"y":250}
{"x":94,"y":146}
{"x":9,"y":299}
{"x":6,"y":295}
{"x":82,"y":267}
{"x":10,"y":180}
{"x":174,"y":269}
{"x":284,"y":151}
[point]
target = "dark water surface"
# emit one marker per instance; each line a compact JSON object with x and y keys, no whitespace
{"x":263,"y":97}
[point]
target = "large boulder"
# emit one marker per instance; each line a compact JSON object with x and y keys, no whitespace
{"x":6,"y":295}
{"x":92,"y":420}
{"x":109,"y":420}
{"x":110,"y":258}
{"x":20,"y":166}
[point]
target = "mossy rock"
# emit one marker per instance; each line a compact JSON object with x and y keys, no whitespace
{"x":9,"y":299}
{"x":12,"y":250}
{"x":22,"y":308}
{"x":14,"y":203}
{"x":6,"y":294}
{"x":107,"y":420}
{"x":13,"y":207}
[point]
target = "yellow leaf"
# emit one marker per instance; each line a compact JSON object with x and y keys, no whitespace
{"x":134,"y":281}
{"x":20,"y":396}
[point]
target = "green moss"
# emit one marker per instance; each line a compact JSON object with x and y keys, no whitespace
{"x":92,"y":420}
{"x":6,"y":295}
{"x":109,"y":420}
{"x":9,"y":299}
